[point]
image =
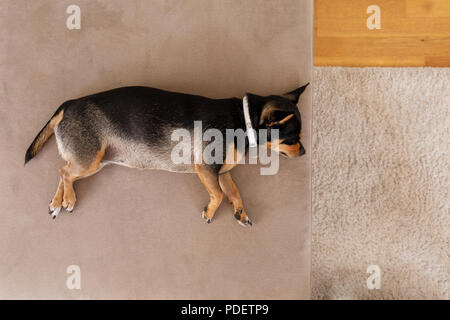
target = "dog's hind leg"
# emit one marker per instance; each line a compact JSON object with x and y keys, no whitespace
{"x":65,"y":195}
{"x":211,"y":183}
{"x":229,"y":188}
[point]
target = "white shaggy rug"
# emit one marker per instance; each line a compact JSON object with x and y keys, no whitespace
{"x":381,"y":164}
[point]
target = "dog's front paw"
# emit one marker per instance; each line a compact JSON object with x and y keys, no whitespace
{"x":53,"y":211}
{"x":208,"y":220}
{"x":246,"y":223}
{"x":242,"y":218}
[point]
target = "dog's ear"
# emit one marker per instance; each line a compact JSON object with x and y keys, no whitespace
{"x":282,"y":121}
{"x":294,"y":95}
{"x":268,"y":114}
{"x":271,"y":116}
{"x":264,"y":112}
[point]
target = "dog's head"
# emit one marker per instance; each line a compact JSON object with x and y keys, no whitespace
{"x":280,"y":112}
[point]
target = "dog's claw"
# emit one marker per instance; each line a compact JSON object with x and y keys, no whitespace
{"x":54,"y":213}
{"x":246,"y":223}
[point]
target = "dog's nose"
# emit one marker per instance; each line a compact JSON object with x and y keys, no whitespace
{"x":302,"y":150}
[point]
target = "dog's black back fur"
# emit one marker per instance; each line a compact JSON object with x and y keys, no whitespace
{"x":136,"y":110}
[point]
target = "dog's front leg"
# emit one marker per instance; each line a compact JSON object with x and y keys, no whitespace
{"x":229,"y":188}
{"x":211,"y":183}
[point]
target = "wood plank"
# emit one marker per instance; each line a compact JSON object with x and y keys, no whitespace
{"x":356,"y":9}
{"x":443,"y":61}
{"x":386,"y":46}
{"x":394,"y":27}
{"x":380,"y":61}
{"x":428,"y":8}
{"x":413,"y":33}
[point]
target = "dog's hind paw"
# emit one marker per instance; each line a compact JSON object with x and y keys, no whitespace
{"x":243,"y":221}
{"x":53,"y":211}
{"x":208,"y":220}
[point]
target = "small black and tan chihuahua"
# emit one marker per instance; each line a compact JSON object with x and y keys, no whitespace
{"x":132,"y":126}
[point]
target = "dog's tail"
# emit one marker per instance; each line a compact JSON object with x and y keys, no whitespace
{"x":45,"y":133}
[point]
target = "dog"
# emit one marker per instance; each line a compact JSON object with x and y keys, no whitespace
{"x":132,"y":126}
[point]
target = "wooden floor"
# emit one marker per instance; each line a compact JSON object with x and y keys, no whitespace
{"x":413,"y":33}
